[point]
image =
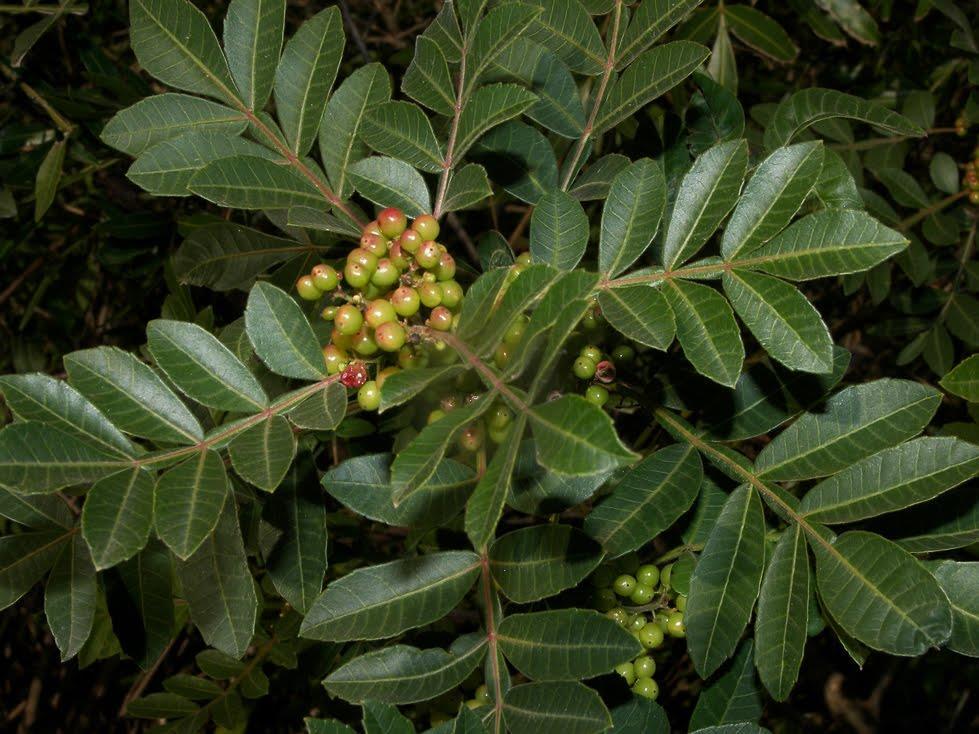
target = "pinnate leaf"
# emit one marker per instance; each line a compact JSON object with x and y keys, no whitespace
{"x":639,"y":313}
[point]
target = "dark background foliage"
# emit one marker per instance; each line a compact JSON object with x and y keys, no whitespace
{"x":94,"y":269}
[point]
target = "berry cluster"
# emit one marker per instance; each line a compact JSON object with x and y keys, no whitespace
{"x":398,"y":277}
{"x":494,"y":425}
{"x":599,"y":369}
{"x":970,"y":181}
{"x":514,"y":333}
{"x":961,"y":126}
{"x":653,"y":611}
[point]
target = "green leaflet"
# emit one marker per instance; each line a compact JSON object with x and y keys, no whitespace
{"x":558,"y":231}
{"x":706,"y":329}
{"x":575,"y":437}
{"x":647,"y":500}
{"x":569,"y":644}
{"x":381,"y":601}
{"x":391,"y":182}
{"x":262,"y":454}
{"x":960,"y":582}
{"x":783,"y":614}
{"x":187,"y":501}
{"x":963,"y":380}
{"x":117,"y":516}
{"x":403,"y":674}
{"x":880,"y":594}
{"x":631,"y":216}
{"x":253,"y":32}
{"x":639,"y":312}
{"x":536,"y":562}
{"x":25,"y":558}
{"x":219,"y":588}
{"x":69,"y":598}
{"x":401,"y":130}
{"x":726,"y":581}
{"x":281,"y":335}
{"x":732,"y":696}
{"x":891,"y":480}
{"x":559,"y":707}
{"x":855,"y":423}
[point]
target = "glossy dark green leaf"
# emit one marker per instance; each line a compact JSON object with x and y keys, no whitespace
{"x":173,"y":42}
{"x":759,"y":31}
{"x":783,"y":614}
{"x":117,"y":516}
{"x":427,"y":79}
{"x":726,"y":581}
{"x":42,"y":512}
{"x":468,"y":188}
{"x":649,"y":22}
{"x":640,"y":313}
{"x":47,"y":179}
{"x":640,"y":716}
{"x":707,"y":193}
{"x":855,"y":423}
{"x":381,"y":601}
{"x":519,"y":158}
{"x":305,"y":75}
{"x":576,"y":438}
{"x":732,"y":696}
{"x":559,"y":707}
{"x":809,"y":106}
{"x":69,"y":598}
{"x":403,"y":674}
{"x":25,"y":558}
{"x":252,"y":41}
{"x":252,"y":182}
{"x":391,"y":182}
{"x":558,"y":231}
{"x":493,"y":34}
{"x":963,"y":380}
{"x":537,"y":562}
{"x":188,"y":500}
{"x":262,"y":453}
{"x":880,"y":594}
{"x":42,"y":398}
{"x":647,"y":500}
{"x":488,"y":107}
{"x":706,"y":329}
{"x":401,"y":130}
{"x":202,"y":367}
{"x":631,"y":216}
{"x":782,"y":319}
{"x":131,"y":395}
{"x":281,"y":334}
{"x":960,"y":582}
{"x":485,"y":507}
{"x":565,"y":28}
{"x":148,"y":581}
{"x":219,"y":588}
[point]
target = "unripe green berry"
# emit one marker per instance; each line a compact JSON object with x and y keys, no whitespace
{"x":642,"y":594}
{"x":499,"y":416}
{"x":681,"y":603}
{"x":623,"y":354}
{"x":375,"y":244}
{"x":379,"y":312}
{"x":348,"y":320}
{"x":390,"y":336}
{"x":372,"y":291}
{"x":597,"y":395}
{"x":430,"y":294}
{"x":624,"y":585}
{"x":356,"y":275}
{"x":591,"y":352}
{"x":446,"y":267}
{"x":369,"y":396}
{"x":334,"y":358}
{"x":665,"y":574}
{"x":362,"y":257}
{"x":428,"y":255}
{"x":405,"y":301}
{"x":584,"y":368}
{"x":440,"y":319}
{"x":618,"y":615}
{"x":675,"y":626}
{"x":392,"y":222}
{"x":427,"y":226}
{"x":523,"y":258}
{"x":435,"y":415}
{"x":501,"y":356}
{"x":364,"y":343}
{"x":399,"y":257}
{"x":410,"y":358}
{"x":471,"y":438}
{"x":647,"y":688}
{"x":482,"y":695}
{"x":307,"y":288}
{"x":636,"y":622}
{"x":651,"y":636}
{"x":386,"y":274}
{"x":515,"y":331}
{"x":627,"y":671}
{"x":343,"y":341}
{"x":410,"y":241}
{"x":648,"y":574}
{"x":325,"y":278}
{"x":451,"y":293}
{"x":645,"y":666}
{"x":329,"y":313}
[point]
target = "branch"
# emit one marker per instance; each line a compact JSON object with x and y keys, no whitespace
{"x":489,"y":614}
{"x":448,"y":163}
{"x":572,"y":163}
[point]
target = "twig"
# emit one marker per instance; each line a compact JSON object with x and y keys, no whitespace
{"x":448,"y":163}
{"x":352,"y":27}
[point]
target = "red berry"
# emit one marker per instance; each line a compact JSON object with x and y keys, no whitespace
{"x":354,"y":376}
{"x":390,"y":336}
{"x":440,"y":319}
{"x":392,"y":222}
{"x":427,"y":226}
{"x":605,"y":371}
